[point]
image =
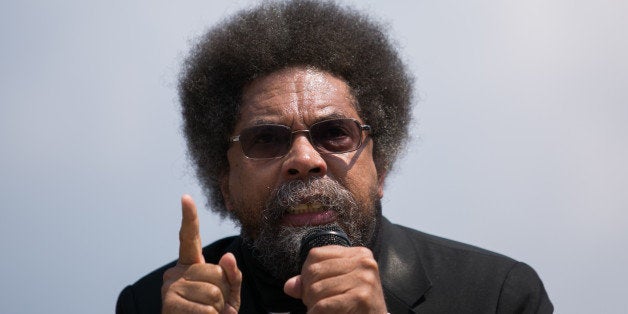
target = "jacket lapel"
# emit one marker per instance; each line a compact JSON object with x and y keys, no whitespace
{"x":401,"y":271}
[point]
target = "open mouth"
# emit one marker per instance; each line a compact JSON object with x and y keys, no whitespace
{"x":305,"y":208}
{"x":308,"y":214}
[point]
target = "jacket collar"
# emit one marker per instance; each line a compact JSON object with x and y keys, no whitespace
{"x":402,"y":274}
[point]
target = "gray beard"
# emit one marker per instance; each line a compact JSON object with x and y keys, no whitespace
{"x":277,"y":247}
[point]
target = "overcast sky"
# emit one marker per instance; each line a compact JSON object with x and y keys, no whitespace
{"x":519,"y":141}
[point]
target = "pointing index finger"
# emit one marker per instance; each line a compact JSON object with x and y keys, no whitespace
{"x":190,"y":247}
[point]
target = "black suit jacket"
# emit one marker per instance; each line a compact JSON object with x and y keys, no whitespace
{"x":420,"y":273}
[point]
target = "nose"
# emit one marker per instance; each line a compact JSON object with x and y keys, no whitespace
{"x":303,"y":160}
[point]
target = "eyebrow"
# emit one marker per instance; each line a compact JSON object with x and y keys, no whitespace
{"x":330,"y":116}
{"x":337,"y":115}
{"x":333,"y":115}
{"x":263,"y":121}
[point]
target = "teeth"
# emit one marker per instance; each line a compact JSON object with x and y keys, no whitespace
{"x":305,"y":208}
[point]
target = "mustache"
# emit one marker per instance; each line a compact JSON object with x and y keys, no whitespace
{"x":325,"y":191}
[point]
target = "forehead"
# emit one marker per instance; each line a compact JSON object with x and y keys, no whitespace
{"x":296,"y":95}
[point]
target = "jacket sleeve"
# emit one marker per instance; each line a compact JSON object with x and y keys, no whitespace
{"x":126,"y":302}
{"x":523,"y":292}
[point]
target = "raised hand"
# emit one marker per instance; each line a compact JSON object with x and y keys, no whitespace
{"x":193,"y":286}
{"x":337,"y":279}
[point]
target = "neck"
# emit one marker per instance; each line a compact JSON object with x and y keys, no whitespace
{"x":268,"y":289}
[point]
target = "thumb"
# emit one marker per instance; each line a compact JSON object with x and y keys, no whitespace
{"x":292,"y":287}
{"x":234,"y":276}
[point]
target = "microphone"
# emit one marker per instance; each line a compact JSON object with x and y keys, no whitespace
{"x":322,"y":236}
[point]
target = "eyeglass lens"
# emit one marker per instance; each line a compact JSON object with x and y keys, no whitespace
{"x":274,"y":140}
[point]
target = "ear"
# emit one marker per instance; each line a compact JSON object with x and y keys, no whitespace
{"x":224,"y":189}
{"x":381,"y":177}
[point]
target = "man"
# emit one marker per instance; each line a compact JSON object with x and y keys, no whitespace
{"x":294,"y":113}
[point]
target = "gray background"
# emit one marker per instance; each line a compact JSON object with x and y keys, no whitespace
{"x":519,"y":141}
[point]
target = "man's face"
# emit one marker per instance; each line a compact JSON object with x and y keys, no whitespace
{"x":330,"y":188}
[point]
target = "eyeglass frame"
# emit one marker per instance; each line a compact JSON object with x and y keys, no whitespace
{"x":362,"y":128}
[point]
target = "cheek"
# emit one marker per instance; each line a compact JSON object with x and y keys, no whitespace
{"x":249,"y":183}
{"x":363,"y":182}
{"x":361,"y":179}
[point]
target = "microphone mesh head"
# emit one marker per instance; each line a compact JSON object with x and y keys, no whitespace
{"x":321,"y":237}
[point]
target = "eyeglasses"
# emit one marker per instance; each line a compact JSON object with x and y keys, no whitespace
{"x":334,"y":136}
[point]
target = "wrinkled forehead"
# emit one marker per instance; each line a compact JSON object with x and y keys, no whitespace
{"x":297,"y":92}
